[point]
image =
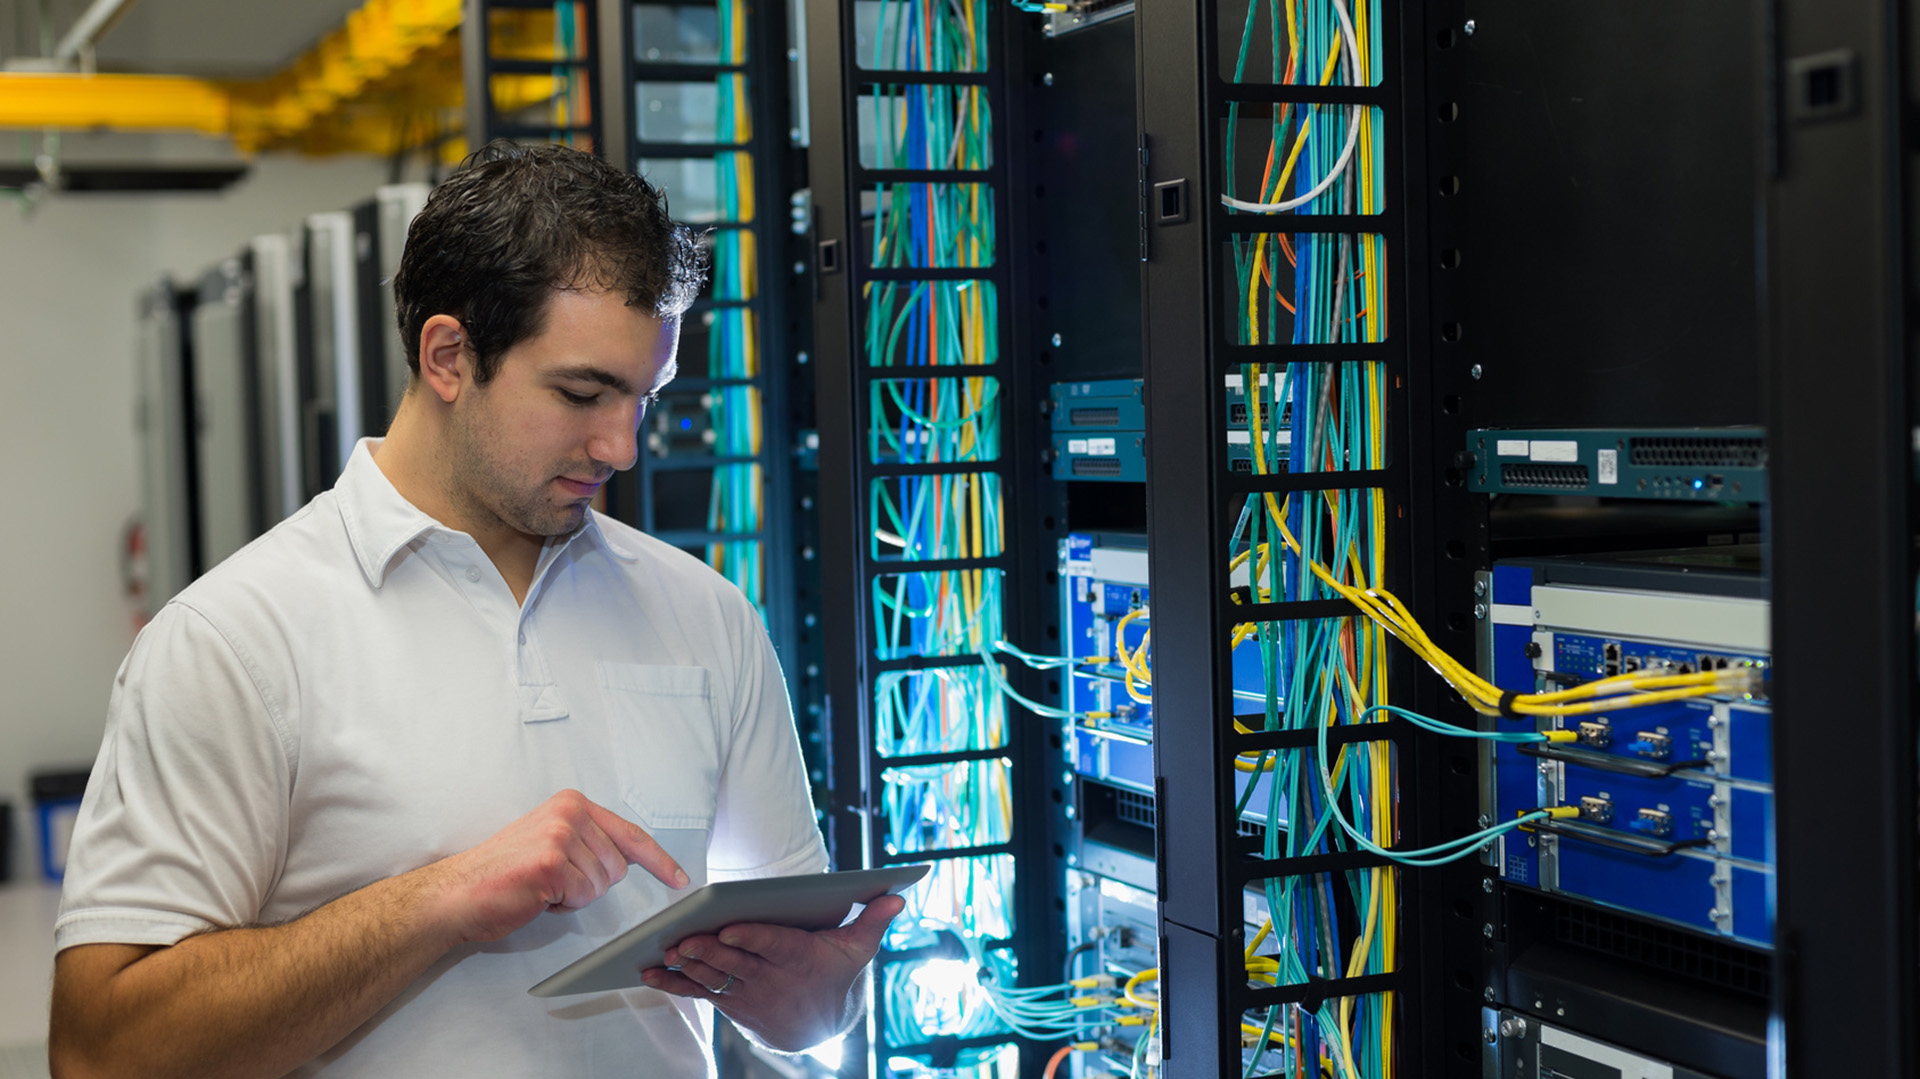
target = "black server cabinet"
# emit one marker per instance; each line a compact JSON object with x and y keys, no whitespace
{"x":1195,"y":505}
{"x":1840,"y":415}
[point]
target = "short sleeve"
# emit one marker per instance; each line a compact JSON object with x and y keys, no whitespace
{"x":184,"y":825}
{"x":763,"y":822}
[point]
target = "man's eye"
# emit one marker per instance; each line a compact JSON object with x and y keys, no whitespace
{"x":579,"y":398}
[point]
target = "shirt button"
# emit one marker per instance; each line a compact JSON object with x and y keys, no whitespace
{"x":523,"y":638}
{"x":473,"y":574}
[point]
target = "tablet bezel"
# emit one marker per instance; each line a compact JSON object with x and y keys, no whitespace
{"x":807,"y":901}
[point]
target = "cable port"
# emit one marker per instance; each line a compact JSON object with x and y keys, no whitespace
{"x":1657,"y":822}
{"x":1597,"y":735}
{"x":1609,"y":660}
{"x":1652,"y":744}
{"x":1597,"y":810}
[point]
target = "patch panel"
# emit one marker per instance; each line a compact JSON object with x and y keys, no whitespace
{"x":1099,"y":430}
{"x":1675,"y":799}
{"x":1239,"y":428}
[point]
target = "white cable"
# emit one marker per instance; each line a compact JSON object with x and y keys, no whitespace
{"x":1346,"y":152}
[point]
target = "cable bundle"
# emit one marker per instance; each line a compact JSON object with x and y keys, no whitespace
{"x":937,"y":515}
{"x":1330,"y":157}
{"x":572,"y":100}
{"x":975,"y":892}
{"x":921,"y":36}
{"x":736,"y":501}
{"x":947,"y":806}
{"x":941,"y":710}
{"x":1319,"y":159}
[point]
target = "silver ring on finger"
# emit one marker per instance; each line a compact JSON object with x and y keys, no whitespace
{"x":724,"y":986}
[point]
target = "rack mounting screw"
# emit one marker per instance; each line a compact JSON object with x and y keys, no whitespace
{"x":1469,"y":28}
{"x":1487,"y":930}
{"x":1486,"y":885}
{"x":1513,"y":1027}
{"x":1047,"y":78}
{"x":1490,"y":1035}
{"x":1480,"y":611}
{"x":1480,"y":588}
{"x":1056,"y":340}
{"x":1488,"y":994}
{"x":1475,"y":371}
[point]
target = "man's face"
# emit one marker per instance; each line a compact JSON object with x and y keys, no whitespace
{"x":532,"y":446}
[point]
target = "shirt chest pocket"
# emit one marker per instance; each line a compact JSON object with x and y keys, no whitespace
{"x":665,"y":742}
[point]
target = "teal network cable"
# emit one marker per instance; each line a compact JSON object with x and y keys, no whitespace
{"x":1300,"y":287}
{"x":736,"y":500}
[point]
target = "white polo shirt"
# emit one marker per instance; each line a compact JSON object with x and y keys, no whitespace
{"x":356,"y":694}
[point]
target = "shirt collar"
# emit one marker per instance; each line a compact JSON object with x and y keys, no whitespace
{"x":381,"y":523}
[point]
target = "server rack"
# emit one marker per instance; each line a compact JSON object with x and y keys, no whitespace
{"x":1194,"y":506}
{"x":876,"y":445}
{"x":1840,"y":413}
{"x":720,"y":458}
{"x":530,"y":69}
{"x":164,"y":425}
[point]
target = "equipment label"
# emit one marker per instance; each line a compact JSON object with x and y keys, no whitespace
{"x":1076,"y":445}
{"x":1101,"y":447}
{"x":1609,"y":466}
{"x":1511,"y":447}
{"x":1554,"y":450}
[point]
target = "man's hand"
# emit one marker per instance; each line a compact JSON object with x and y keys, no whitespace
{"x":791,"y":988}
{"x":562,"y":856}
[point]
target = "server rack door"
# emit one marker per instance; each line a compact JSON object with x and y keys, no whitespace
{"x":223,"y":427}
{"x":164,"y":429}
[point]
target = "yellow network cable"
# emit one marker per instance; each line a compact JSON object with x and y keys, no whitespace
{"x":1390,"y":614}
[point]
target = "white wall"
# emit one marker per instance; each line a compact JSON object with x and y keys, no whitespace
{"x":68,"y":480}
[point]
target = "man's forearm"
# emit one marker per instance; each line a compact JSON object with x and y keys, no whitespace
{"x":254,"y":1002}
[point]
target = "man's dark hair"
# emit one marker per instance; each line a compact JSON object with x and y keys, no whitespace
{"x":515,"y":223}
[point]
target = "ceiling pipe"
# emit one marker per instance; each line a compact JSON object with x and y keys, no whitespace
{"x":95,"y":21}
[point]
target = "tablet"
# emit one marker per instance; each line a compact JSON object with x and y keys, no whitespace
{"x":811,"y":901}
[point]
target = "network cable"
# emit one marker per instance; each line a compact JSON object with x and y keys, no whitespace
{"x":1328,"y":670}
{"x":940,"y":515}
{"x":736,"y":499}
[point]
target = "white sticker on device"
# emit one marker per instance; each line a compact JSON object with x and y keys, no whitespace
{"x":1511,"y":447}
{"x":1553,"y":450}
{"x":1101,"y":447}
{"x":1609,"y":466}
{"x":1076,"y":445}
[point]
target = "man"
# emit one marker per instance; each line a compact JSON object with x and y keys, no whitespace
{"x":386,"y":767}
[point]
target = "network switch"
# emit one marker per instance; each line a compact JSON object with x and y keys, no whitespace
{"x":1099,"y":430}
{"x":1687,"y":464}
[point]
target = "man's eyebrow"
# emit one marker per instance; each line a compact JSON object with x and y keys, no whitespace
{"x":589,"y":373}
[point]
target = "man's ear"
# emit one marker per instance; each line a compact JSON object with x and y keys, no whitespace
{"x":443,"y":357}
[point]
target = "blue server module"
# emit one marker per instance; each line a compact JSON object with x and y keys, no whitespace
{"x":1105,"y":604}
{"x":1675,"y":799}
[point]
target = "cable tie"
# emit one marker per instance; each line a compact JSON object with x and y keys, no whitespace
{"x":1506,"y":704}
